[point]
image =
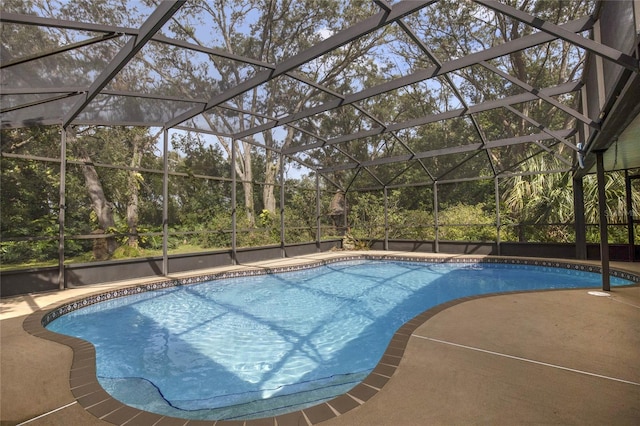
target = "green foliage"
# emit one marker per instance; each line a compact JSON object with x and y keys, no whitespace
{"x":533,"y":208}
{"x":271,"y":224}
{"x":463,"y":222}
{"x":366,"y":216}
{"x":28,"y":252}
{"x":413,"y":225}
{"x":266,"y":218}
{"x":29,"y":198}
{"x":349,"y":242}
{"x":125,"y":252}
{"x":143,"y":241}
{"x":540,"y":207}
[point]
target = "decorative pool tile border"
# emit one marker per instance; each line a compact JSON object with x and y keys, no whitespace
{"x":94,"y":399}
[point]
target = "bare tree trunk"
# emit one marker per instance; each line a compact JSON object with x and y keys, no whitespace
{"x":133,"y":189}
{"x":268,"y":196}
{"x":337,"y":210}
{"x":273,"y":166}
{"x":247,"y":184}
{"x":244,"y":172}
{"x":248,"y":203}
{"x":101,"y":206}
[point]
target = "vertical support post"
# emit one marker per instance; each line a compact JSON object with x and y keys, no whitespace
{"x":318,"y":222}
{"x":386,"y":219}
{"x":580,"y":222}
{"x":63,"y":179}
{"x":604,"y":234}
{"x":498,"y":222}
{"x":165,"y":202}
{"x":234,"y":259}
{"x":436,"y":242}
{"x":630,"y":218}
{"x":283,"y":252}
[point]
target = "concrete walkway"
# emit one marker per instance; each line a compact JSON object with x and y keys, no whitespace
{"x":559,"y":357}
{"x":556,"y":357}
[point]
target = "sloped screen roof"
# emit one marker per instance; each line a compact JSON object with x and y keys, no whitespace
{"x":406,"y":91}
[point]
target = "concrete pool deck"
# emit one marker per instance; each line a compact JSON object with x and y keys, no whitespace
{"x":552,"y":357}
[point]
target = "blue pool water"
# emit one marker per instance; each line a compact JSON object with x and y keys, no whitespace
{"x":265,"y":345}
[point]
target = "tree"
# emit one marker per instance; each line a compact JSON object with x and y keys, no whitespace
{"x":29,"y":198}
{"x":202,"y":201}
{"x":452,"y":31}
{"x":281,"y":29}
{"x":124,"y":145}
{"x":548,"y":199}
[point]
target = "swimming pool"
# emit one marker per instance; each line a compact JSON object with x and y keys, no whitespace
{"x":264,"y":345}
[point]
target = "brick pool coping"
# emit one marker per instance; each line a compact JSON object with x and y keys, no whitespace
{"x":93,"y":398}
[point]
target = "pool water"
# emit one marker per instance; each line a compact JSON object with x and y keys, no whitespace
{"x":265,"y":345}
